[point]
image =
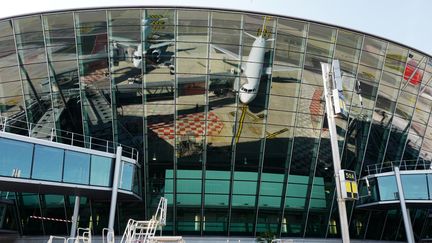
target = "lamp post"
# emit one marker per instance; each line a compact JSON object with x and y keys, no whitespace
{"x":326,"y":69}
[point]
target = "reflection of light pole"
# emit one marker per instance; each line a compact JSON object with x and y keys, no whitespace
{"x":335,"y":151}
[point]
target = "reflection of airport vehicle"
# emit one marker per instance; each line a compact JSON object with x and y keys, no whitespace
{"x":151,"y":50}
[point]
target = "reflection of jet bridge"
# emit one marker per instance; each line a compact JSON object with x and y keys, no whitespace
{"x":98,"y":112}
{"x":219,"y":83}
{"x":45,"y":124}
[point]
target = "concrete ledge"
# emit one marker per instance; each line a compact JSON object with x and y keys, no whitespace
{"x":187,"y":239}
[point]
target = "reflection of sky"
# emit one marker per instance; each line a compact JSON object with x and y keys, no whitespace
{"x":396,"y":23}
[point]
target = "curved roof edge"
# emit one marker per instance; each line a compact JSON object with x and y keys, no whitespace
{"x":250,"y":8}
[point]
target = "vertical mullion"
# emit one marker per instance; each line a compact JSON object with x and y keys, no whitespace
{"x":206,"y":108}
{"x":400,"y":90}
{"x":114,"y":119}
{"x":367,"y":225}
{"x":428,"y":120}
{"x":12,"y":23}
{"x":50,"y":81}
{"x":385,"y":222}
{"x":264,"y":126}
{"x":312,"y":173}
{"x":39,"y":196}
{"x":175,"y":125}
{"x":144,"y":110}
{"x":291,"y":146}
{"x":427,"y":125}
{"x":361,"y":111}
{"x":85,"y":128}
{"x":233,"y":144}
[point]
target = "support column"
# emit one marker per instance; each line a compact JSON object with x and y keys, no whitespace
{"x":75,"y":217}
{"x":335,"y":152}
{"x":115,"y":186}
{"x":405,"y":213}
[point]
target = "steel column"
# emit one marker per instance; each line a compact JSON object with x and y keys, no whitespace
{"x":405,"y":212}
{"x":75,"y":217}
{"x":115,"y":186}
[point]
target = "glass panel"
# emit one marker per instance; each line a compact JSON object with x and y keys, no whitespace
{"x":30,"y":209}
{"x":415,"y":186}
{"x":92,"y":43}
{"x":16,"y":158}
{"x":371,"y":60}
{"x":33,"y":68}
{"x":76,"y":167}
{"x":347,"y":54}
{"x":217,"y":186}
{"x":319,"y":48}
{"x":100,"y":171}
{"x":127,"y":176}
{"x":63,"y":70}
{"x":5,"y":28}
{"x":387,"y":188}
{"x":188,"y":186}
{"x":292,"y":224}
{"x":376,"y":225}
{"x":374,"y":45}
{"x":53,"y":211}
{"x":323,"y":33}
{"x":349,"y":39}
{"x":47,"y":163}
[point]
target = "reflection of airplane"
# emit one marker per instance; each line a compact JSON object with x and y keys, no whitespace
{"x":155,"y":49}
{"x":252,"y":68}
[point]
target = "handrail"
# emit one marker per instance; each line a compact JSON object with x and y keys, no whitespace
{"x":389,"y":166}
{"x":109,"y":234}
{"x":64,"y":137}
{"x":53,"y":237}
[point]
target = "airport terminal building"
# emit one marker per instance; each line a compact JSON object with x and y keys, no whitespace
{"x":226,"y":112}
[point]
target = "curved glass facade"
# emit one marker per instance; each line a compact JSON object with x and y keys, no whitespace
{"x":226,"y":108}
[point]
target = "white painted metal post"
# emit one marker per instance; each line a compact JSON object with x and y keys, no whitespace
{"x":75,"y":217}
{"x":335,"y":152}
{"x":115,"y":185}
{"x":405,"y":213}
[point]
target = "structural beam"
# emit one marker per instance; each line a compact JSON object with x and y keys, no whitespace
{"x":405,"y":213}
{"x":335,"y":151}
{"x":115,"y":186}
{"x":75,"y":217}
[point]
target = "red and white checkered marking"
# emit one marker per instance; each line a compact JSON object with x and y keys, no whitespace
{"x":190,"y":125}
{"x":94,"y":76}
{"x":315,"y":107}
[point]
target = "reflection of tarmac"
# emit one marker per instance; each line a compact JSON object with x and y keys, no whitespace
{"x":240,"y":123}
{"x":97,"y":75}
{"x":188,"y":125}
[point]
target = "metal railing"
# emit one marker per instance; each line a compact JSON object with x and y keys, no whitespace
{"x":40,"y":131}
{"x":389,"y":166}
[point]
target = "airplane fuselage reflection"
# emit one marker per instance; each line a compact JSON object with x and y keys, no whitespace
{"x":252,"y":71}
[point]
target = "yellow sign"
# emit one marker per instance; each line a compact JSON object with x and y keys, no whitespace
{"x":348,"y":184}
